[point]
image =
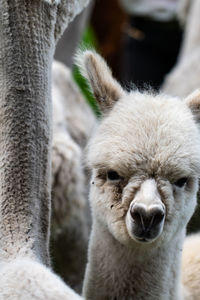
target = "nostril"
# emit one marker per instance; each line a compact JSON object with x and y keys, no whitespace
{"x":157,"y":218}
{"x":136,"y":216}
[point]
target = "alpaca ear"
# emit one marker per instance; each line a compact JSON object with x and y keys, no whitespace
{"x":104,"y":87}
{"x":193,"y":102}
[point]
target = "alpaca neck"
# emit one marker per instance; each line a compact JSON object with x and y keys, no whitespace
{"x":115,"y":272}
{"x":26,"y":53}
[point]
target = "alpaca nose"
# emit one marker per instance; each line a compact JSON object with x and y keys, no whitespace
{"x":147,"y":218}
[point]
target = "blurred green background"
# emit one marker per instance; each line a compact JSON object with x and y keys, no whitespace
{"x":88,"y":41}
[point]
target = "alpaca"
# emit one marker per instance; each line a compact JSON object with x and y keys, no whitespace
{"x":145,"y":166}
{"x":73,"y":122}
{"x":28,"y":34}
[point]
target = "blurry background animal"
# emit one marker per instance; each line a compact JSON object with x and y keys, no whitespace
{"x":73,"y":122}
{"x":187,"y":69}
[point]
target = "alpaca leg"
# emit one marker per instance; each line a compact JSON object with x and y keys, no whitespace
{"x":27,"y":39}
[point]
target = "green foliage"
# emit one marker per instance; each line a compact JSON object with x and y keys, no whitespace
{"x":88,"y":41}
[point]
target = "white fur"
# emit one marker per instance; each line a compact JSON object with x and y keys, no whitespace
{"x":27,"y":279}
{"x":110,"y":90}
{"x":151,"y":141}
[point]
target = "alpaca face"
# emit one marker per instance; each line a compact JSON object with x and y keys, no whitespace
{"x":145,"y":164}
{"x":145,"y":158}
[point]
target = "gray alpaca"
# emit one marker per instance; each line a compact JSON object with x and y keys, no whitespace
{"x":29,"y":31}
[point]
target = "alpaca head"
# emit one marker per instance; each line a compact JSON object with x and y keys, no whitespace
{"x":145,"y":158}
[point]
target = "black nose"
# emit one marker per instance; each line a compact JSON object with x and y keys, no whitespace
{"x":147,"y":219}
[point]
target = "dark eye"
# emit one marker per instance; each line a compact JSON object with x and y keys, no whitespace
{"x":113,"y":175}
{"x":181,"y":182}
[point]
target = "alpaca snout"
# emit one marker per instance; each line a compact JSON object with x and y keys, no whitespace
{"x":146,"y":222}
{"x":146,"y":217}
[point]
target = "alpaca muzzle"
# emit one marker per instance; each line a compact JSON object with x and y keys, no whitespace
{"x":147,"y":222}
{"x":146,"y":214}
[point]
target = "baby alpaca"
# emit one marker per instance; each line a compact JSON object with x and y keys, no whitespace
{"x":146,"y":163}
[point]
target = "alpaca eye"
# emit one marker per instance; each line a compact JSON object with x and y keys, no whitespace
{"x":181,"y":182}
{"x":113,"y":175}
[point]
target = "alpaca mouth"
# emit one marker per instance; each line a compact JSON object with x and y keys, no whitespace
{"x":144,"y":240}
{"x":145,"y":237}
